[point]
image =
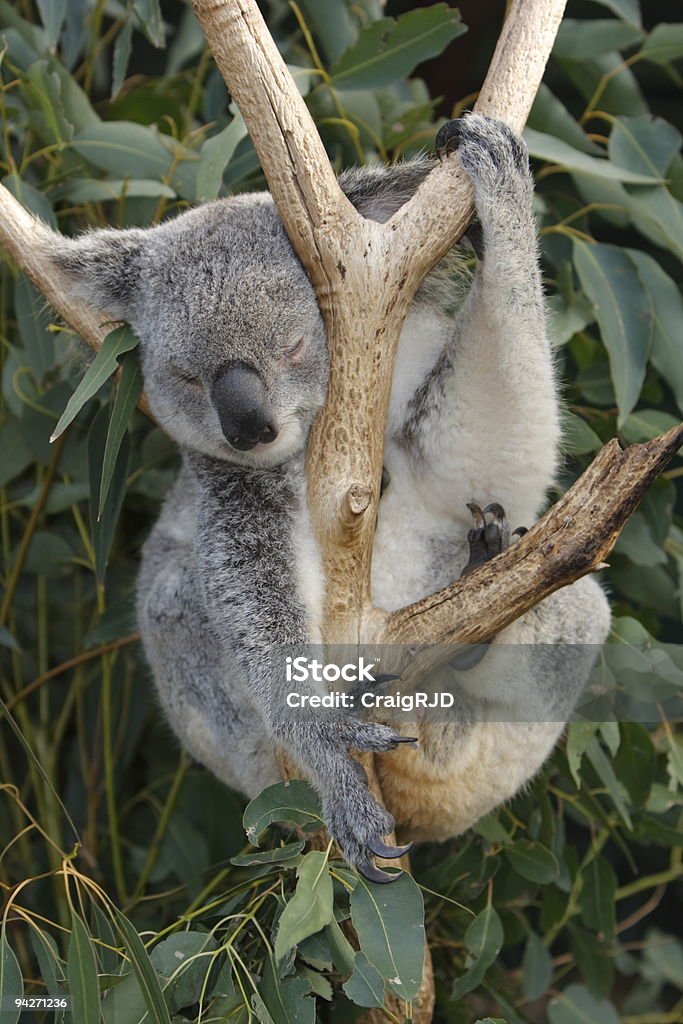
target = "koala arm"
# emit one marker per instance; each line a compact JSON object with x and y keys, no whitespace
{"x":252,"y":568}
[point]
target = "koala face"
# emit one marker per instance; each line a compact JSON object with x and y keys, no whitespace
{"x":233,"y":345}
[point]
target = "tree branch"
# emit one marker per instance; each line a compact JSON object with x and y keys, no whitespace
{"x":365,"y":274}
{"x":24,"y":237}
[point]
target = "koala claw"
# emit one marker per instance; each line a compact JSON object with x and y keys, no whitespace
{"x":489,"y":151}
{"x":487,"y":538}
{"x":381,"y":849}
{"x":387,"y":677}
{"x":448,"y":137}
{"x":412,"y":741}
{"x":369,"y":870}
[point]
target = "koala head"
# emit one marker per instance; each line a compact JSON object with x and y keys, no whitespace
{"x":233,"y":346}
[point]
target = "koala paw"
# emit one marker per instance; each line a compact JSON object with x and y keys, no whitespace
{"x":487,"y":538}
{"x":489,"y":151}
{"x":358,"y":823}
{"x":352,"y":815}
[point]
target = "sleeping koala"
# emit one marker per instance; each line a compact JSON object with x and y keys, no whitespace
{"x":235,"y":366}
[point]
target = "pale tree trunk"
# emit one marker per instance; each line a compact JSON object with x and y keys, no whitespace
{"x":365,"y":275}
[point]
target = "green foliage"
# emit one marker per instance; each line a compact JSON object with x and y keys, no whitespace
{"x":134,"y":883}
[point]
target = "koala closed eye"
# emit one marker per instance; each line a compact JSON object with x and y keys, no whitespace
{"x":186,"y":377}
{"x":295,"y":350}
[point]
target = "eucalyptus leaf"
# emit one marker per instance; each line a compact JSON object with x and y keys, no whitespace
{"x":293,"y":801}
{"x":581,"y":40}
{"x":549,"y":116}
{"x":38,"y":343}
{"x":311,"y":907}
{"x":52,"y":14}
{"x":184,"y":960}
{"x":128,"y":391}
{"x":389,"y":49}
{"x":627,"y":10}
{"x":644,"y":424}
{"x":103,"y":527}
{"x":575,"y":1005}
{"x":11,"y":981}
{"x":635,"y":762}
{"x":664,"y":44}
{"x":287,"y":1000}
{"x":365,"y":987}
{"x":214,"y":157}
{"x":603,"y":767}
{"x":644,"y":144}
{"x":537,"y":967}
{"x":44,"y":92}
{"x":667,"y":351}
{"x":103,"y":190}
{"x":279,"y":855}
{"x":122,"y":147}
{"x":593,"y":959}
{"x":389,"y":920}
{"x":483,"y":938}
{"x":577,"y":436}
{"x":81,"y":972}
{"x":149,"y":13}
{"x":624,"y":312}
{"x":533,"y":861}
{"x":29,"y":197}
{"x":117,"y":342}
{"x":144,"y":971}
{"x":556,"y":151}
{"x":598,"y":897}
{"x":52,"y":967}
{"x":121,"y":57}
{"x":332,"y":24}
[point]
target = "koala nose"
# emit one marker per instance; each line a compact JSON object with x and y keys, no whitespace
{"x":240,"y":399}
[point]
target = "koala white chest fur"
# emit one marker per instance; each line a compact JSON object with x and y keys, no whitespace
{"x":235,"y":365}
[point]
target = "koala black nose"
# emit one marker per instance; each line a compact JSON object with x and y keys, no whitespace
{"x":240,"y":399}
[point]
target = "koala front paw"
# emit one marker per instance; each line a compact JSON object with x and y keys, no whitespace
{"x":353,"y":817}
{"x":358,"y":822}
{"x":489,"y":151}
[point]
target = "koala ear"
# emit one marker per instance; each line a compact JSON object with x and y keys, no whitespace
{"x":104,"y":267}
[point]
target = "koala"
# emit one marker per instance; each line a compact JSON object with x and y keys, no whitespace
{"x":235,"y":365}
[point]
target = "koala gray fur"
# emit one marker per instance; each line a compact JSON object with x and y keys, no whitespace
{"x":231,"y":570}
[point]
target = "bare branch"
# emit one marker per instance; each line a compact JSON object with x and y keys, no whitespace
{"x":440,"y":211}
{"x":24,"y":237}
{"x":313,"y":208}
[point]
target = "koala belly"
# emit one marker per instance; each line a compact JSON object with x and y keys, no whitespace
{"x":446,"y":786}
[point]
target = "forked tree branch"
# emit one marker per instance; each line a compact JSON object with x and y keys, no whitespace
{"x":365,"y":274}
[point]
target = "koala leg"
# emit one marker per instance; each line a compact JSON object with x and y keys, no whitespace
{"x":511,"y":710}
{"x":214,"y":725}
{"x":485,"y":422}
